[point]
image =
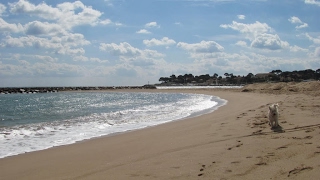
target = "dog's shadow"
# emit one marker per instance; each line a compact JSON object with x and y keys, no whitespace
{"x":277,"y":129}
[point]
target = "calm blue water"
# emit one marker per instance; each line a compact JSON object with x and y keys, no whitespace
{"x":31,"y":122}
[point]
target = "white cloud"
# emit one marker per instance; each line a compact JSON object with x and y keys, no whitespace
{"x":109,"y":22}
{"x":106,"y":22}
{"x":242,"y":43}
{"x":11,"y":28}
{"x":2,"y":9}
{"x":56,"y":69}
{"x":147,"y":53}
{"x":98,"y":60}
{"x":315,"y":2}
{"x":15,"y":42}
{"x":314,"y":40}
{"x":80,"y":58}
{"x":251,"y":30}
{"x":151,"y":25}
{"x":296,"y":48}
{"x":108,"y":2}
{"x":74,"y":40}
{"x":269,"y":41}
{"x":259,"y":35}
{"x":46,"y":68}
{"x":118,"y":24}
{"x":61,"y":45}
{"x":235,"y":63}
{"x":304,"y":25}
{"x":317,"y":52}
{"x":43,"y":28}
{"x":241,"y":16}
{"x":40,"y":57}
{"x":125,"y":50}
{"x":71,"y":19}
{"x":66,"y":14}
{"x":42,"y":10}
{"x":202,"y":47}
{"x":143,"y":31}
{"x":296,"y":20}
{"x":165,"y":41}
{"x":86,"y":59}
{"x":70,"y":51}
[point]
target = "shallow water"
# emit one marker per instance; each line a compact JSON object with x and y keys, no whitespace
{"x":31,"y":122}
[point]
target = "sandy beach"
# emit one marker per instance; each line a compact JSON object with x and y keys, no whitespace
{"x":233,"y":142}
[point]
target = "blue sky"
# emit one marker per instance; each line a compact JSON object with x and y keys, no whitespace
{"x":133,"y":42}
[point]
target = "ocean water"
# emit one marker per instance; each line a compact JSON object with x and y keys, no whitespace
{"x":31,"y":122}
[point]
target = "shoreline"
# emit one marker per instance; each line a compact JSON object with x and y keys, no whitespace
{"x":232,"y":142}
{"x":220,"y":102}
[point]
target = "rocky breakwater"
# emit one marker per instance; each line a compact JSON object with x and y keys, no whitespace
{"x":29,"y":90}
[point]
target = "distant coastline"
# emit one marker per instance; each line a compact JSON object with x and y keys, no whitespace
{"x":189,"y":80}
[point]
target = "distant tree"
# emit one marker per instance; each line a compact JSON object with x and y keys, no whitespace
{"x":205,"y":77}
{"x":309,"y":73}
{"x":232,"y":78}
{"x":188,"y":78}
{"x":164,"y":79}
{"x":180,"y":79}
{"x":249,"y":77}
{"x":173,"y":78}
{"x":215,"y":75}
{"x":276,"y":72}
{"x":285,"y":76}
{"x":275,"y":75}
{"x":317,"y":74}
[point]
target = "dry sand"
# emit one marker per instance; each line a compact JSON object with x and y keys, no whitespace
{"x":234,"y":142}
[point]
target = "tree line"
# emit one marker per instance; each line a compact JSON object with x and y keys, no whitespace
{"x":230,"y":78}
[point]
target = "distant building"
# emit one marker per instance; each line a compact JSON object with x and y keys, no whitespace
{"x":263,"y":75}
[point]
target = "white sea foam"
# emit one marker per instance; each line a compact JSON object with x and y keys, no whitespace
{"x":198,"y":87}
{"x":38,"y":136}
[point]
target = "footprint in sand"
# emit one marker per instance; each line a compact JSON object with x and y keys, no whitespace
{"x":299,"y":170}
{"x":203,"y":167}
{"x":235,"y":162}
{"x":281,"y":147}
{"x":309,"y":130}
{"x":308,"y":137}
{"x":238,"y":145}
{"x":257,"y":132}
{"x":261,"y":163}
{"x":270,"y":154}
{"x":242,"y":115}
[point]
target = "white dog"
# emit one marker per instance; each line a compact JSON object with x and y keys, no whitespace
{"x":273,"y":115}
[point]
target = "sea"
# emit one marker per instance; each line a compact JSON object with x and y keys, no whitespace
{"x":32,"y":122}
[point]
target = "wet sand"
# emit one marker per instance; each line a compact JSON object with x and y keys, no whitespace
{"x":233,"y":142}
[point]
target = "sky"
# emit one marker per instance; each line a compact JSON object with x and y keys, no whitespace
{"x":135,"y":42}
